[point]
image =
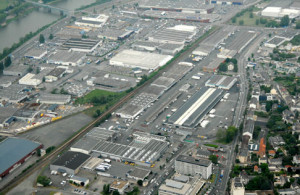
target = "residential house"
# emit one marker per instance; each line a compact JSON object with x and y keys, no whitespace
{"x":275,"y":161}
{"x":296,"y":159}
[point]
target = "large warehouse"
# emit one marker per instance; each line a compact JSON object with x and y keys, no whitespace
{"x":196,"y":107}
{"x":221,"y":82}
{"x":278,"y":12}
{"x":81,"y":45}
{"x":179,"y":34}
{"x":138,"y":59}
{"x":14,"y":152}
{"x":70,"y":162}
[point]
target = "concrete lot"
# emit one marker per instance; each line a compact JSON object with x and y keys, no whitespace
{"x":55,"y":133}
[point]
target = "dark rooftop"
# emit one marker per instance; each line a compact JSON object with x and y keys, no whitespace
{"x":191,"y":160}
{"x":71,"y":160}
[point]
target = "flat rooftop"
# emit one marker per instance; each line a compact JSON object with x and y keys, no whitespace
{"x":71,"y":160}
{"x":143,"y":60}
{"x":191,"y":160}
{"x":168,"y":35}
{"x":196,"y":107}
{"x":65,"y":56}
{"x":13,"y":150}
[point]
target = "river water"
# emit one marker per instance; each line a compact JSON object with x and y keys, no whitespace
{"x":16,"y":29}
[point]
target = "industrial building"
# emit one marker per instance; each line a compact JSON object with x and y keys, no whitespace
{"x":30,"y":79}
{"x":6,"y":116}
{"x":181,"y":185}
{"x":67,"y":58}
{"x":15,"y":93}
{"x":14,"y":152}
{"x":178,"y":34}
{"x":191,"y":113}
{"x":242,"y":38}
{"x":115,"y":34}
{"x":55,"y":74}
{"x":70,"y":162}
{"x":93,"y":21}
{"x":189,"y":6}
{"x":169,"y":48}
{"x":213,"y":66}
{"x":226,"y":53}
{"x":138,"y":174}
{"x":138,"y":59}
{"x":221,"y":82}
{"x":86,"y":144}
{"x":145,"y":149}
{"x":181,"y":16}
{"x":188,"y":165}
{"x":274,"y":42}
{"x":46,"y":98}
{"x":81,"y":45}
{"x":119,"y":185}
{"x":15,"y":70}
{"x":278,"y":12}
{"x":36,"y":54}
{"x":227,"y":2}
{"x":145,"y":45}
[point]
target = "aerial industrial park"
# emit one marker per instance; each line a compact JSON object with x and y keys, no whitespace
{"x":160,"y":97}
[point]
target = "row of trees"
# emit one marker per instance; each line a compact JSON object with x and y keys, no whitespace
{"x":227,"y":135}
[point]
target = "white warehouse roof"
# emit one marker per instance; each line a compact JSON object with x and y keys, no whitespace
{"x":143,"y":60}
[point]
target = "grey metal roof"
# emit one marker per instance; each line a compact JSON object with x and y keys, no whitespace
{"x":191,"y":160}
{"x":208,"y":104}
{"x":14,"y":149}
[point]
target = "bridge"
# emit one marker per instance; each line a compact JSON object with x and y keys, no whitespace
{"x":51,"y":8}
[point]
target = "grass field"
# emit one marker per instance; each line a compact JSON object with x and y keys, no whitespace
{"x":4,"y":4}
{"x":108,"y":98}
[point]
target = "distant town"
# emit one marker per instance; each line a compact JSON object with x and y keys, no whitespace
{"x":160,"y":97}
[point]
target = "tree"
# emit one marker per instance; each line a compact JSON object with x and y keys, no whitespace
{"x":116,"y":192}
{"x":7,"y":61}
{"x":1,"y":67}
{"x":105,"y":190}
{"x":285,"y":20}
{"x":257,"y":21}
{"x":29,"y":69}
{"x":51,"y":36}
{"x":140,"y":182}
{"x":235,"y":68}
{"x":251,"y":15}
{"x":223,"y":67}
{"x":45,"y":181}
{"x":298,"y":24}
{"x":42,"y":38}
{"x":233,"y":20}
{"x":259,"y":183}
{"x":241,"y":22}
{"x":98,"y":113}
{"x":214,"y":159}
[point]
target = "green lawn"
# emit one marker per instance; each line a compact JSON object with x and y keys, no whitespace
{"x":4,"y":4}
{"x":100,"y":99}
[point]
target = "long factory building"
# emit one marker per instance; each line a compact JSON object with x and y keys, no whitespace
{"x":143,"y":150}
{"x":196,"y":107}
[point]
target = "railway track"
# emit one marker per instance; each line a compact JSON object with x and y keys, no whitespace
{"x":47,"y":159}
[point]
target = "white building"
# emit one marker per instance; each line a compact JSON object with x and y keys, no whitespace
{"x":66,"y":58}
{"x":278,"y":12}
{"x":138,"y":59}
{"x":237,"y":187}
{"x":36,"y":53}
{"x":93,"y":21}
{"x":29,"y":79}
{"x":188,"y":165}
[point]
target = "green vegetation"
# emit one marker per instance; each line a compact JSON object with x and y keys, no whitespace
{"x":290,"y":82}
{"x":50,"y":149}
{"x":261,"y":114}
{"x":45,"y":181}
{"x":275,"y":123}
{"x":265,"y":88}
{"x":224,"y":65}
{"x":298,"y":24}
{"x":140,"y":182}
{"x":296,"y":40}
{"x":226,"y":136}
{"x":212,"y":145}
{"x":135,"y":191}
{"x":281,"y":56}
{"x":285,"y":21}
{"x":101,"y":101}
{"x":256,"y":131}
{"x":263,"y":181}
{"x":42,"y":38}
{"x":105,"y":190}
{"x":7,"y":51}
{"x":214,"y":159}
